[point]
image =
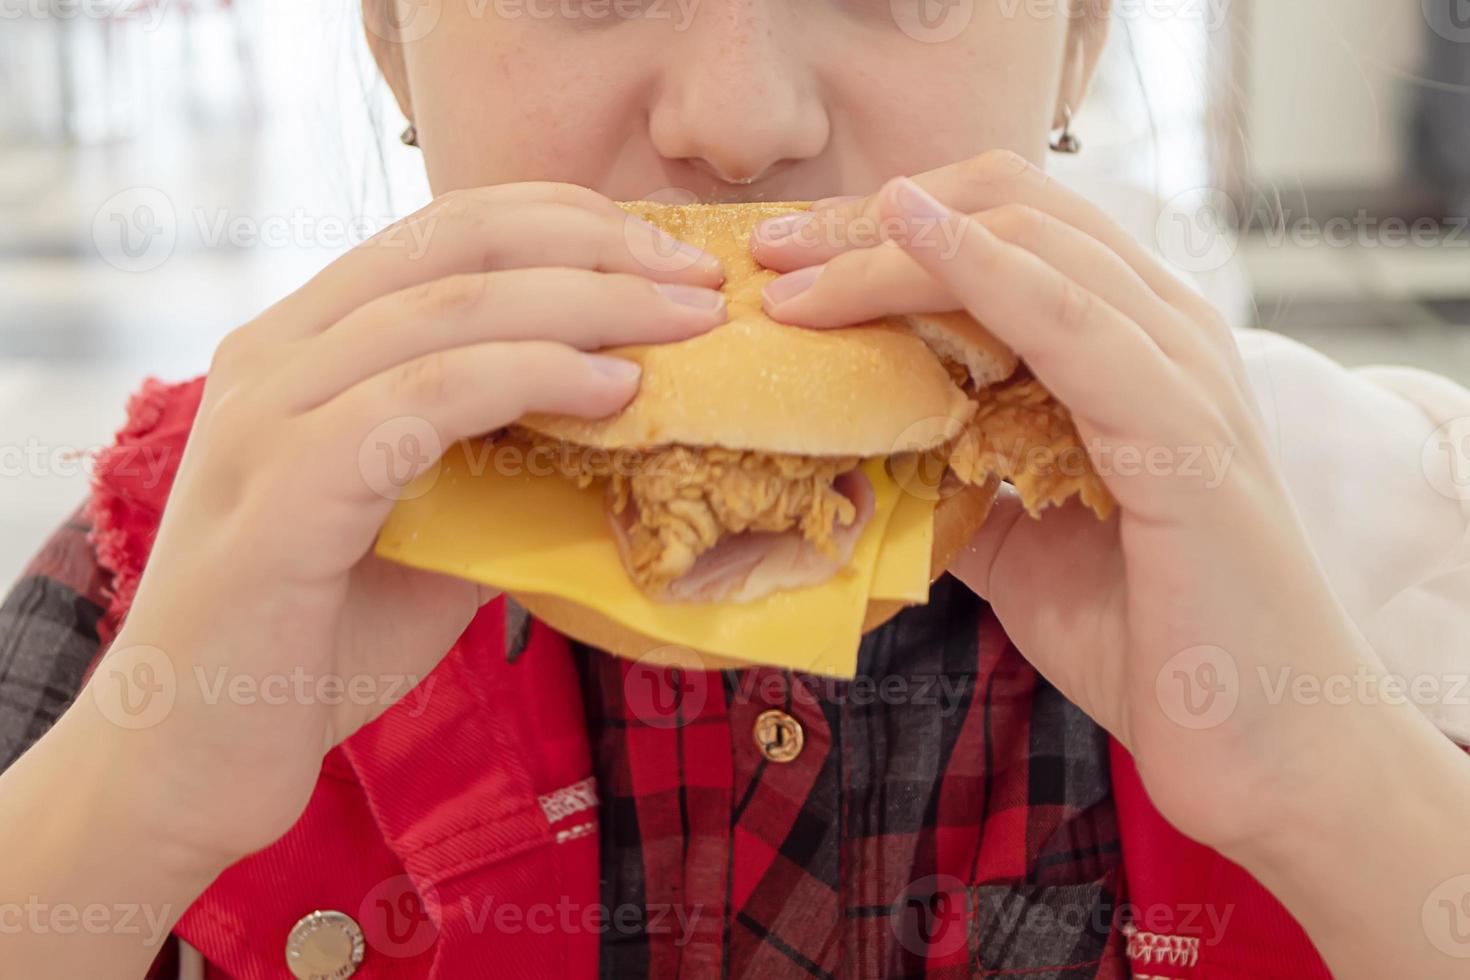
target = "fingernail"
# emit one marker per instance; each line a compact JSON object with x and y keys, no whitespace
{"x":666,"y":245}
{"x":614,"y":367}
{"x":677,"y":247}
{"x":774,"y":230}
{"x":918,"y":202}
{"x":791,"y":285}
{"x":694,"y":297}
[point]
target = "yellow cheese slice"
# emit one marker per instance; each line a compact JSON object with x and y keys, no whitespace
{"x":903,"y":570}
{"x":503,"y":527}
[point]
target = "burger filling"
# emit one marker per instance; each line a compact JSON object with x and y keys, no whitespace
{"x":715,"y":524}
{"x":1023,"y":435}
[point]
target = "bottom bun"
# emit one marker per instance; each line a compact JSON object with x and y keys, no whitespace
{"x":956,"y":520}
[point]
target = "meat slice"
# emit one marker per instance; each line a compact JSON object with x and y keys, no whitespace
{"x":746,"y":566}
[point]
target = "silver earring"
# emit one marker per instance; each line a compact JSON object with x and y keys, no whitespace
{"x":1066,"y":141}
{"x":410,"y":136}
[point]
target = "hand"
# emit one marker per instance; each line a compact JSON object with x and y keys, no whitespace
{"x":1161,"y":622}
{"x":262,"y":567}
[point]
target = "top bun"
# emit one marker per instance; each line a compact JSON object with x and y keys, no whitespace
{"x":755,"y":384}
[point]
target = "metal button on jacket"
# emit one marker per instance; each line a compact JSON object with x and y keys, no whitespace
{"x":778,"y":736}
{"x":324,"y":946}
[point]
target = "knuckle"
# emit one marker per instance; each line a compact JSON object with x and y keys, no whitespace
{"x":1074,"y":308}
{"x":450,"y":297}
{"x":428,"y":380}
{"x":232,"y":351}
{"x":559,"y":192}
{"x":1019,"y":224}
{"x":464,"y":209}
{"x":994,"y":166}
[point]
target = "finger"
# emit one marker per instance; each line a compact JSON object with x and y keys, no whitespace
{"x":486,"y":230}
{"x":1098,"y":362}
{"x":451,"y":395}
{"x":983,"y":183}
{"x":587,"y":310}
{"x":862,"y":285}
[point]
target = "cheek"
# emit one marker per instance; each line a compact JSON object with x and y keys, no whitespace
{"x":956,"y":101}
{"x":498,"y":110}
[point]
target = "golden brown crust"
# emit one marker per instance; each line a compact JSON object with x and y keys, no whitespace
{"x":1027,"y":438}
{"x":756,"y":384}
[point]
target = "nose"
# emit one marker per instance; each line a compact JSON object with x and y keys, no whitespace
{"x":739,"y":99}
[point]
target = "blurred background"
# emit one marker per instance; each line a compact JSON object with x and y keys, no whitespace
{"x":168,"y":168}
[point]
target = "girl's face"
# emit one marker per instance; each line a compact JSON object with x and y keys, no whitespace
{"x":727,"y":99}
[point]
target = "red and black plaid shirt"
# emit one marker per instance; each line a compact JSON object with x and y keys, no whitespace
{"x":947,"y":773}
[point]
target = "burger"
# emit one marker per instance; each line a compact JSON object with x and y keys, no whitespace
{"x":767,"y":480}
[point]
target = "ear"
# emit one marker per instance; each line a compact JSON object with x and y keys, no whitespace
{"x":1086,"y":36}
{"x":380,"y":26}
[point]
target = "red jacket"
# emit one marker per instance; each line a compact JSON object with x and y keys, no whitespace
{"x":432,"y":828}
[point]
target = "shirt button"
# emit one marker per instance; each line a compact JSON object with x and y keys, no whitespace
{"x":778,"y":736}
{"x":324,"y":946}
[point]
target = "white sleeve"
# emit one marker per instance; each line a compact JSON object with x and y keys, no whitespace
{"x":1378,"y":463}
